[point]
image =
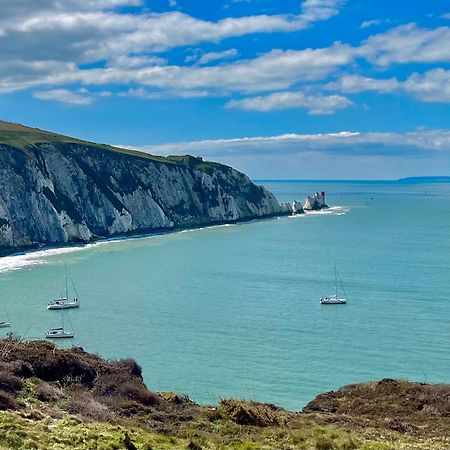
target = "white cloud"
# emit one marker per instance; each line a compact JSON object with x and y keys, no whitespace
{"x":350,"y":84}
{"x":155,"y":95}
{"x":341,"y":143}
{"x":98,"y":33}
{"x":315,"y":104}
{"x":53,"y":43}
{"x":314,"y":10}
{"x":432,"y":86}
{"x":61,"y":37}
{"x":214,"y":56}
{"x":408,"y":44}
{"x":370,"y":23}
{"x":271,"y":71}
{"x":80,"y":97}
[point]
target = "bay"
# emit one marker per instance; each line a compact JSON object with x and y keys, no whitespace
{"x":233,"y":311}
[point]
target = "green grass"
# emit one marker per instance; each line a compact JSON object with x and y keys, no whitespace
{"x":22,"y":137}
{"x":44,"y":428}
{"x":69,"y":399}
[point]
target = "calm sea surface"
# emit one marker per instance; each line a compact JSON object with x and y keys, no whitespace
{"x":234,"y":310}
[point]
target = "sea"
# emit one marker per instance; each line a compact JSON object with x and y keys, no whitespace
{"x":233,"y":311}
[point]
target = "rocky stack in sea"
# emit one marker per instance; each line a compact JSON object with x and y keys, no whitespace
{"x":315,"y":202}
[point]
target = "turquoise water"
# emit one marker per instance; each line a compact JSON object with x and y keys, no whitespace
{"x":234,"y":310}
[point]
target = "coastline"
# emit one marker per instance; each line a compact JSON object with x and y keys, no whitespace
{"x":75,"y":246}
{"x":131,"y":235}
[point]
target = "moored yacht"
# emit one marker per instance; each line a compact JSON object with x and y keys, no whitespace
{"x":65,"y":302}
{"x":58,"y":333}
{"x":334,"y":299}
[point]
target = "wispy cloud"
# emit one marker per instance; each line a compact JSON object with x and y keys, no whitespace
{"x":431,"y":86}
{"x":215,"y":56}
{"x":346,"y":142}
{"x":78,"y":97}
{"x":370,"y":23}
{"x":408,"y":44}
{"x":95,"y":34}
{"x":65,"y":96}
{"x":315,"y":104}
{"x":351,"y":84}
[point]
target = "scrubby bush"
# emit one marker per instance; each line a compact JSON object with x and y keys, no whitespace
{"x":10,"y":383}
{"x":86,"y":406}
{"x":250,"y":413}
{"x":48,"y":393}
{"x":129,"y":365}
{"x":140,"y":394}
{"x":7,"y":401}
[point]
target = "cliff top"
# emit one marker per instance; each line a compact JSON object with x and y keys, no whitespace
{"x":22,"y":137}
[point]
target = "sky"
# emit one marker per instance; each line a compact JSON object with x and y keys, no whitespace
{"x":281,"y":89}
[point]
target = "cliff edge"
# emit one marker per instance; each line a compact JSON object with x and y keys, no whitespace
{"x":56,"y":190}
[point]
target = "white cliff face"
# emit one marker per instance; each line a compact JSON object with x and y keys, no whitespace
{"x":56,"y":194}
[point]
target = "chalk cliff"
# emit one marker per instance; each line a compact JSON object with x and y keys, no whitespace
{"x":56,"y":190}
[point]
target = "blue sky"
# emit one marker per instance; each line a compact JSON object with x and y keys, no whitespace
{"x":279,"y":89}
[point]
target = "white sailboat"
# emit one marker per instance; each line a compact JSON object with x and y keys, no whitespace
{"x":334,"y":299}
{"x":5,"y":323}
{"x":60,"y":332}
{"x":65,"y":302}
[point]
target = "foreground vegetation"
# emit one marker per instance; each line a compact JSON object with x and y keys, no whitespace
{"x":61,"y":399}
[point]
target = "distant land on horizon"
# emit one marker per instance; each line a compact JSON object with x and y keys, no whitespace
{"x":424,"y":179}
{"x":429,"y":179}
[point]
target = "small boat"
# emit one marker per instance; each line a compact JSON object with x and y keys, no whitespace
{"x":58,"y":333}
{"x":334,"y":299}
{"x":65,"y":302}
{"x":5,"y":323}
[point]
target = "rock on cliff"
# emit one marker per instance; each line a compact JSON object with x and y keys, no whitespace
{"x":56,"y":190}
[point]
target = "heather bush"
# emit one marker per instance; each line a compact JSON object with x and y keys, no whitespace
{"x":10,"y":383}
{"x":7,"y":401}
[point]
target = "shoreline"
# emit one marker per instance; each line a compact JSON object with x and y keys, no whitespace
{"x":132,"y":235}
{"x":30,"y":250}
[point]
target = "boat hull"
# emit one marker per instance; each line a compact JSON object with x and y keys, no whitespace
{"x":62,"y":306}
{"x":5,"y":324}
{"x":333,"y":300}
{"x":60,"y":336}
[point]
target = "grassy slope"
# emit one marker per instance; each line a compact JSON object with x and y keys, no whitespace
{"x":22,"y":137}
{"x":58,"y":399}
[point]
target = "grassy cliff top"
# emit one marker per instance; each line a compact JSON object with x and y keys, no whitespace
{"x":22,"y":137}
{"x":54,"y":398}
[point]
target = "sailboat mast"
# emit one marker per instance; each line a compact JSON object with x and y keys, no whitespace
{"x":65,"y":277}
{"x":335,"y":279}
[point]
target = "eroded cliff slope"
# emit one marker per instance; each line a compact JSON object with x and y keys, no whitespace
{"x":55,"y":190}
